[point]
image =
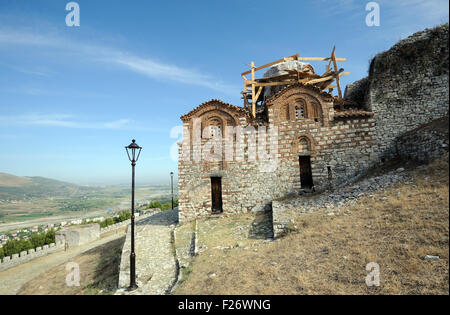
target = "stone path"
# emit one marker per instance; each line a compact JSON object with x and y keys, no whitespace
{"x":11,"y":280}
{"x":155,"y":262}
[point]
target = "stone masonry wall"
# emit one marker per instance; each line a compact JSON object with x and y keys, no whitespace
{"x":425,"y":143}
{"x":78,"y":235}
{"x":408,"y":86}
{"x":26,"y":256}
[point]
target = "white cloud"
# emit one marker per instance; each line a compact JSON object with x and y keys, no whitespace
{"x":62,"y":120}
{"x":96,"y":53}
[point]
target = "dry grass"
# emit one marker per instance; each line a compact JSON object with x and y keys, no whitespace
{"x":99,"y":273}
{"x":329,"y":253}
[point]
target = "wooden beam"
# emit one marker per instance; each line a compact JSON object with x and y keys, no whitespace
{"x":287,"y":82}
{"x":281,"y":83}
{"x":293,"y":57}
{"x":320,"y":59}
{"x":258,"y":93}
{"x":253,"y":90}
{"x":330,"y":77}
{"x":333,"y":57}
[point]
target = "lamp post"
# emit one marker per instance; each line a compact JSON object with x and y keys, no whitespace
{"x":171,"y":184}
{"x":133,"y":152}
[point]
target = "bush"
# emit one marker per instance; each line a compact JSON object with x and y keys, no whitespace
{"x":50,"y":236}
{"x":2,"y":253}
{"x":37,"y":240}
{"x":162,"y":206}
{"x":155,"y":204}
{"x":123,"y":216}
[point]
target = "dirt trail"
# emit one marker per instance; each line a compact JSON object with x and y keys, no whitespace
{"x":11,"y":280}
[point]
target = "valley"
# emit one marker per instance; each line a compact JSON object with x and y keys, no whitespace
{"x":27,"y":201}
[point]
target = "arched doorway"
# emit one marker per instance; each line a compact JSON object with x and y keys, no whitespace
{"x":303,"y":146}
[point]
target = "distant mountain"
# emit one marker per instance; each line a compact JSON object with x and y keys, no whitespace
{"x":8,"y":180}
{"x":19,"y":188}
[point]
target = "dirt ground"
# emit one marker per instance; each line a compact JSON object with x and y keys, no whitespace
{"x":396,"y":229}
{"x":12,"y":280}
{"x":99,"y":273}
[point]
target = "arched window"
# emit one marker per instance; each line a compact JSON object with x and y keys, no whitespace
{"x":300,"y":109}
{"x":215,"y":131}
{"x":214,"y":128}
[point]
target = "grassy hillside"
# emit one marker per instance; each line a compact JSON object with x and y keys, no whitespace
{"x":395,"y":228}
{"x":99,"y":273}
{"x":22,"y":188}
{"x":8,"y":180}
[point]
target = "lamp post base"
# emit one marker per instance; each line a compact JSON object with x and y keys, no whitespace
{"x":132,"y":288}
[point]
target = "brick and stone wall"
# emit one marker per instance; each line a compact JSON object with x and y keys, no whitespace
{"x":340,"y":149}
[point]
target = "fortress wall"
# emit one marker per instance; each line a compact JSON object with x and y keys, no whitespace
{"x":407,"y":86}
{"x":26,"y":256}
{"x":59,"y":245}
{"x":425,"y":143}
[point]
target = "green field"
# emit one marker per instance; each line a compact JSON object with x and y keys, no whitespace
{"x":33,"y":198}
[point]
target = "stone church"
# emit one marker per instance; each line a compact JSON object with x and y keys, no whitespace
{"x":295,"y":137}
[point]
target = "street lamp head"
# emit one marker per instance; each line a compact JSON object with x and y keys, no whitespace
{"x":133,"y":151}
{"x":171,"y":173}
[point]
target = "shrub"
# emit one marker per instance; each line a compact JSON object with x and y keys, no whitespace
{"x":50,"y":236}
{"x":37,"y":240}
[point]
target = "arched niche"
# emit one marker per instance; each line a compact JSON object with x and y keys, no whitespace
{"x":300,"y":106}
{"x":214,"y":123}
{"x":303,"y":144}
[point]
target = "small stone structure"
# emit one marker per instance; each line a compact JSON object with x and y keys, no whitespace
{"x":78,"y":235}
{"x":320,"y":143}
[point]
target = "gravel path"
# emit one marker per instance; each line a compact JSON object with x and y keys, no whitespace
{"x":348,"y":195}
{"x":155,"y":262}
{"x":11,"y":280}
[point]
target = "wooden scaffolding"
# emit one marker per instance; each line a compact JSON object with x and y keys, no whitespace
{"x":254,"y":87}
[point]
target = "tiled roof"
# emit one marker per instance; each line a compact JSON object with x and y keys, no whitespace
{"x":326,"y":96}
{"x":234,"y":108}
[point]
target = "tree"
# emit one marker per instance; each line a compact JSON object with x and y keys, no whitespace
{"x":37,"y":240}
{"x":155,"y":204}
{"x":11,"y":247}
{"x":50,"y":236}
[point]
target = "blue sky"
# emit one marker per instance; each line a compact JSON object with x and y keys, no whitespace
{"x":71,"y":98}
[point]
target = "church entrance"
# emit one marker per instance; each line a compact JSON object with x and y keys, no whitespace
{"x":216,"y":194}
{"x":306,"y":180}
